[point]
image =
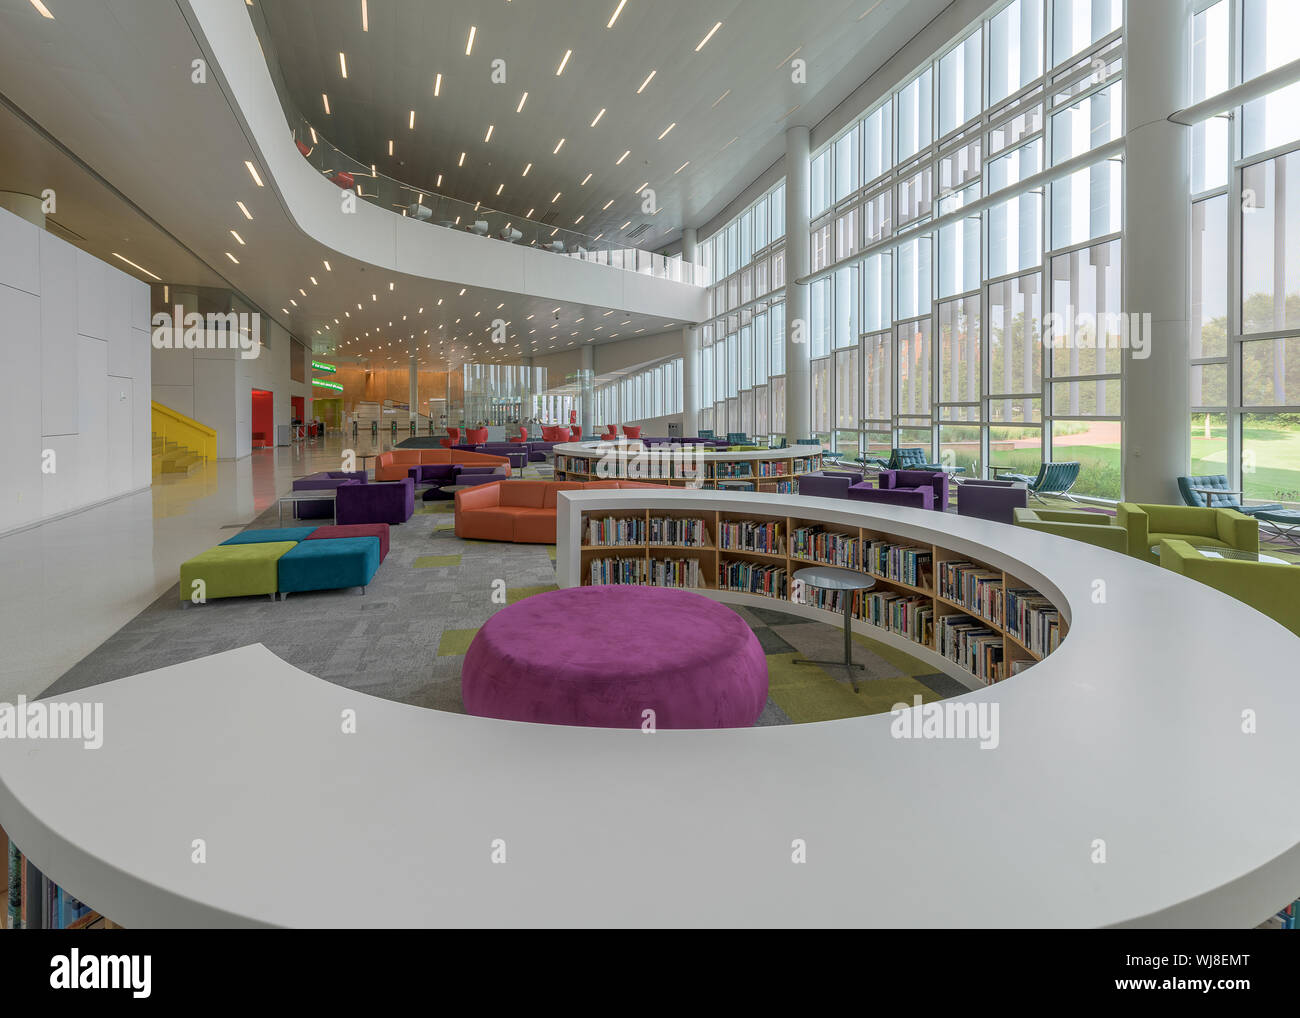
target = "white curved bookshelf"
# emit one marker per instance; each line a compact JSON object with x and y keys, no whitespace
{"x":768,"y":470}
{"x":1130,"y":735}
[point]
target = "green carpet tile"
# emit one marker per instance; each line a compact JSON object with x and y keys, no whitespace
{"x":406,"y":637}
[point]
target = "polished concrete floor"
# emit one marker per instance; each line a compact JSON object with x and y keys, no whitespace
{"x":71,"y":583}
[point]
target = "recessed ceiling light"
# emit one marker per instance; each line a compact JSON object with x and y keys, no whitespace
{"x":343,"y":64}
{"x":607,"y":205}
{"x":667,"y":129}
{"x":626,"y":225}
{"x":326,"y":100}
{"x":469,"y":45}
{"x":232,"y":258}
{"x":327,"y":267}
{"x":619,"y":160}
{"x":500,"y":188}
{"x":390,"y":286}
{"x":390,"y":146}
{"x":365,"y":17}
{"x":578,"y":220}
{"x":617,"y":11}
{"x":522,"y":99}
{"x":252,"y":170}
{"x":437,"y":84}
{"x":529,"y":214}
{"x":461,"y":161}
{"x":293,"y":302}
{"x":462,"y":294}
{"x":411,"y":122}
{"x":560,"y":70}
{"x":647,"y":81}
{"x":598,"y":116}
{"x":438,"y":183}
{"x":558,"y":145}
{"x":244,"y":209}
{"x":488,"y":137}
{"x":708,"y":37}
{"x":45,"y":13}
{"x":642,"y":187}
{"x":526,"y":169}
{"x":557,"y":197}
{"x":237,"y":236}
{"x":135,"y":266}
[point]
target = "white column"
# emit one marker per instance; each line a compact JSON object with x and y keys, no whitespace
{"x":798,"y":394}
{"x":413,"y":385}
{"x":690,"y":353}
{"x":587,"y":414}
{"x":1157,"y":245}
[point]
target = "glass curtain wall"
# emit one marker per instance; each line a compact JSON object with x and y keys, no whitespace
{"x":642,"y":396}
{"x":1245,"y":292}
{"x":928,"y":326}
{"x":742,"y":351}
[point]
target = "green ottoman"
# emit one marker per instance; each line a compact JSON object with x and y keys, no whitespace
{"x":234,"y":570}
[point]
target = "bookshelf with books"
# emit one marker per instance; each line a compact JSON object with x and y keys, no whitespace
{"x":35,"y":902}
{"x":768,"y":471}
{"x":981,"y":621}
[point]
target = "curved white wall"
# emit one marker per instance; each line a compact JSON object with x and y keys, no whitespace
{"x":394,"y":242}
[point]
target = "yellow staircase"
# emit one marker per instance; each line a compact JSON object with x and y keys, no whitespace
{"x":181,"y":445}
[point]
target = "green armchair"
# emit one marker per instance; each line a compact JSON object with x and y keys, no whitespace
{"x":1271,"y":588}
{"x":1077,"y":524}
{"x":1148,"y":525}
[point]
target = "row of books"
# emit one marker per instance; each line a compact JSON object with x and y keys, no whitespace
{"x":683,"y":533}
{"x":675,"y":572}
{"x":777,"y":487}
{"x":752,"y":578}
{"x":752,"y":535}
{"x":605,"y":571}
{"x":820,"y":597}
{"x":1033,"y":620}
{"x":741,"y":468}
{"x":977,"y":589}
{"x":822,"y":545}
{"x":37,"y":903}
{"x":908,"y":615}
{"x":612,"y":530}
{"x":914,"y":566}
{"x":971,"y":644}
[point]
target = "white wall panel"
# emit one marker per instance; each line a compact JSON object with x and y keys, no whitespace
{"x":92,"y":296}
{"x":19,"y":253}
{"x":120,"y":294}
{"x":141,"y":438}
{"x":92,"y":412}
{"x":20,"y":404}
{"x":58,"y":376}
{"x":119,"y":431}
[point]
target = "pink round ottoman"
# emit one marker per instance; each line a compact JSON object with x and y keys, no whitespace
{"x":600,"y":656}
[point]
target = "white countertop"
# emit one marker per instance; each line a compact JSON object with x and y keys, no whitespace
{"x":1131,"y":733}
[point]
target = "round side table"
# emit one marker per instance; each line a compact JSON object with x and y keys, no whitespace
{"x":849,"y":581}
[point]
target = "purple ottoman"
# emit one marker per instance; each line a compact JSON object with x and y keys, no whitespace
{"x":917,"y":498}
{"x":553,"y":658}
{"x":382,"y":502}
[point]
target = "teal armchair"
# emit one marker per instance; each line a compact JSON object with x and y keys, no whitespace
{"x":1148,"y":525}
{"x":1053,"y":479}
{"x":1077,"y":524}
{"x":1268,"y":587}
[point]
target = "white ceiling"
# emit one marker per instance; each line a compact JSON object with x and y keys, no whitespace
{"x":111,"y":81}
{"x":392,"y":68}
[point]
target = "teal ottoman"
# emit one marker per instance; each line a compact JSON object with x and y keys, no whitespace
{"x":271,"y":534}
{"x":329,"y":564}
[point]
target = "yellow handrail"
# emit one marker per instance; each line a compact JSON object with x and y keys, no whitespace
{"x":171,"y":426}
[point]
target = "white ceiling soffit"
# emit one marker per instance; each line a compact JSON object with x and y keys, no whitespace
{"x":725,"y":106}
{"x":112,"y":81}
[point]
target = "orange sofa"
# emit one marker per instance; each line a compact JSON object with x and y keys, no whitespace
{"x":392,"y":466}
{"x":520,"y":511}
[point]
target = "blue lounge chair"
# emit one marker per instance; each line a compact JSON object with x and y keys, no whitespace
{"x":1053,"y":479}
{"x":910,"y":459}
{"x":1214,"y":487}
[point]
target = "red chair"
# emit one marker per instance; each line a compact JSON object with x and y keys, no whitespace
{"x":522,"y":436}
{"x":575,"y":433}
{"x":476,"y":436}
{"x":632,"y":430}
{"x":302,"y":147}
{"x":344,"y":180}
{"x":452,"y":439}
{"x":611,"y":432}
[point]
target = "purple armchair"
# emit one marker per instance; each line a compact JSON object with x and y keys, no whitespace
{"x":992,"y":500}
{"x":828,"y":483}
{"x":325,"y":479}
{"x":920,"y":489}
{"x":382,"y":502}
